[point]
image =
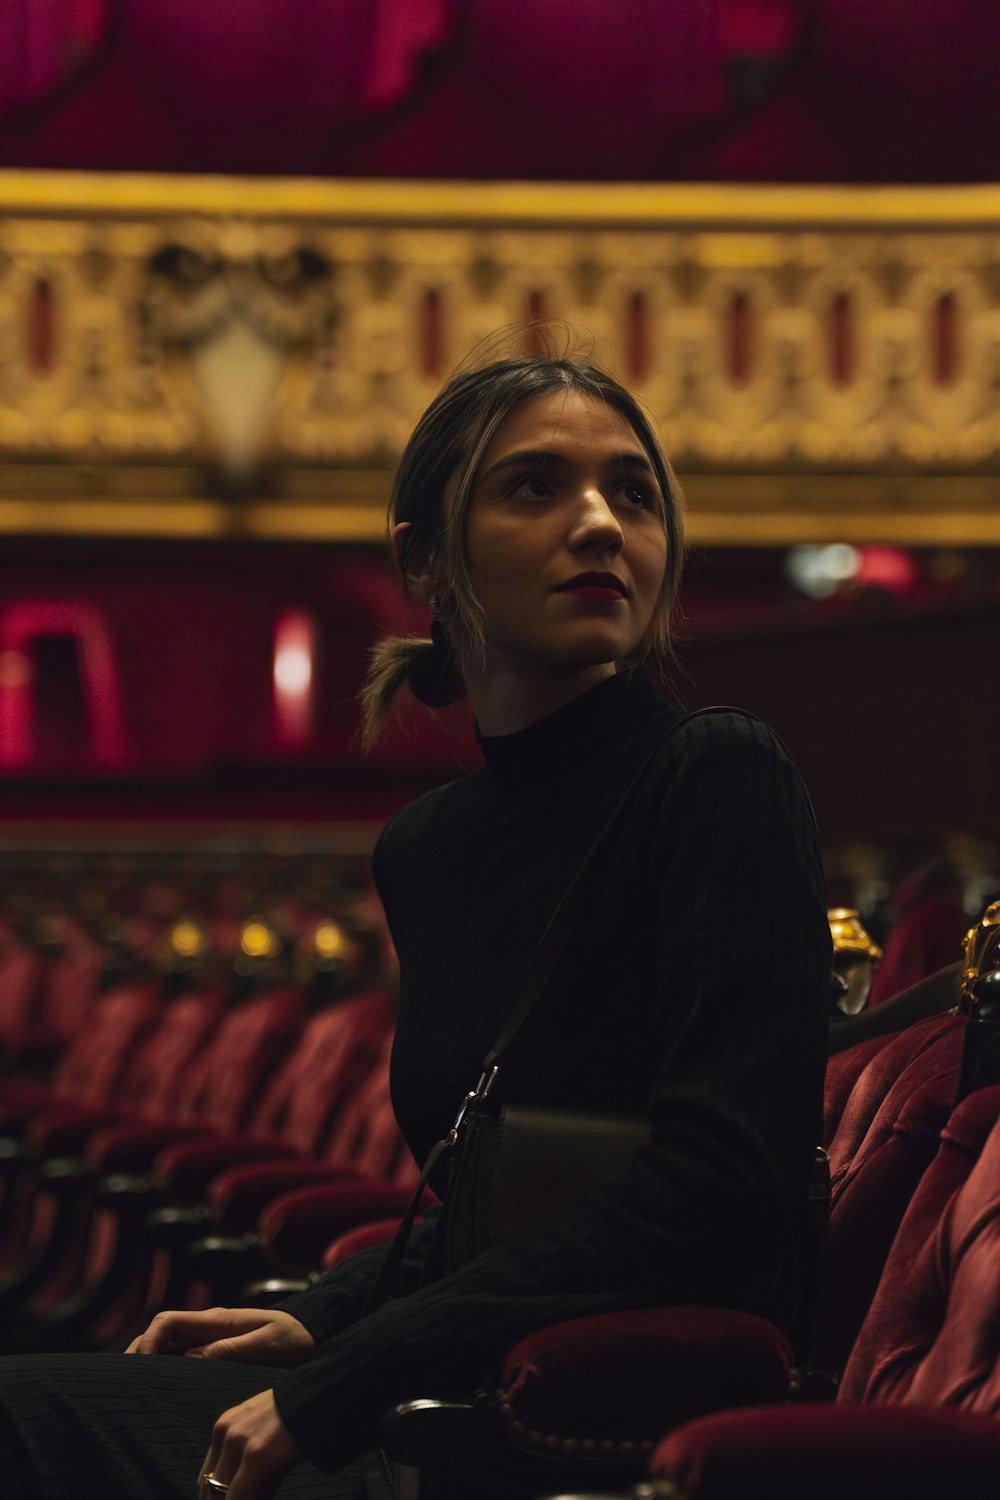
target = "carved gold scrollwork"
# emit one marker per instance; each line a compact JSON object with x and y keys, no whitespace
{"x":162,"y":344}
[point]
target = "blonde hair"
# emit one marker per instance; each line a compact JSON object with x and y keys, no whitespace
{"x":432,"y":491}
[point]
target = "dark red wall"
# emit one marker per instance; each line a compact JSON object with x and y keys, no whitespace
{"x":888,"y":702}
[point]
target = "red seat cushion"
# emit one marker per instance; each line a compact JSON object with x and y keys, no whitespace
{"x":842,"y":1452}
{"x":626,"y":1376}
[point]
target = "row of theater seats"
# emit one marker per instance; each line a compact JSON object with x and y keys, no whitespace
{"x":246,"y":1139}
{"x":899,"y":1394}
{"x":177,"y":1105}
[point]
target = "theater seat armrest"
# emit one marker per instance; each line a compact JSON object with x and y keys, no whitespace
{"x":240,"y":1194}
{"x":134,"y":1148}
{"x":186,"y":1168}
{"x":64,"y":1132}
{"x":300,"y":1225}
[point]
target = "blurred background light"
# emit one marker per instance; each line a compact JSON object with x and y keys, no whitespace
{"x":821,"y":571}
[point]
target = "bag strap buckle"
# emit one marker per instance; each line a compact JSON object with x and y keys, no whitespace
{"x":472,"y":1101}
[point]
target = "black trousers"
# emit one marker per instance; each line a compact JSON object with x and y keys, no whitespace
{"x":133,"y":1427}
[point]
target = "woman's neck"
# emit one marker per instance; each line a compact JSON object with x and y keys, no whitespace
{"x":506,"y":699}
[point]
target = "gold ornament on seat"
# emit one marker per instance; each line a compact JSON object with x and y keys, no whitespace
{"x":982,"y":953}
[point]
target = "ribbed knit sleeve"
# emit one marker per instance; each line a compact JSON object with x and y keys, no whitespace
{"x":722,"y":883}
{"x":338,"y":1299}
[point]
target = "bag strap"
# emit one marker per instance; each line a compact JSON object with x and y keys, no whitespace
{"x":546,"y":954}
{"x":552,"y":943}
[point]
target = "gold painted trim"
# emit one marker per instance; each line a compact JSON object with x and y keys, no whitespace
{"x":431,"y":201}
{"x":364,"y":524}
{"x":741,"y":529}
{"x":133,"y":517}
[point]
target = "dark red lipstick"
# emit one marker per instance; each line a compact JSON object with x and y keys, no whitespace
{"x":604,"y":588}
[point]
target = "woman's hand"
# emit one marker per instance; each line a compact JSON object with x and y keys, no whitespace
{"x":252,"y":1450}
{"x":249,"y":1335}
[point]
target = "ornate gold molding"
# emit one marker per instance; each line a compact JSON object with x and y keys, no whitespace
{"x":218,"y":357}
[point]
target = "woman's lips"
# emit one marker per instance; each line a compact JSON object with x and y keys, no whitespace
{"x":601,"y":593}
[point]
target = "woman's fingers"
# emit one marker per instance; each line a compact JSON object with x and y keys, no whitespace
{"x":251,"y":1450}
{"x":178,"y":1332}
{"x":278,"y":1339}
{"x":251,"y":1335}
{"x":256,"y":1348}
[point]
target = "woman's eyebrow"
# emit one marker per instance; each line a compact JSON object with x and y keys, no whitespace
{"x":524,"y":458}
{"x":536,"y":458}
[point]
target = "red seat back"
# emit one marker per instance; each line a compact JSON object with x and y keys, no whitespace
{"x":97,"y":1060}
{"x":153,"y":1077}
{"x":69,"y":992}
{"x":895,"y":1072}
{"x":22,"y":970}
{"x":905,"y":1094}
{"x":331,"y":1059}
{"x":842,"y":1072}
{"x":367,"y":1139}
{"x":872,"y":1199}
{"x":221,"y":1086}
{"x":932,"y":1335}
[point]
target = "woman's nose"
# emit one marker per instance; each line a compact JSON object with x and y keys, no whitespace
{"x":595,"y":523}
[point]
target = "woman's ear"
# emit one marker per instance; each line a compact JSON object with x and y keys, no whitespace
{"x":420,"y":567}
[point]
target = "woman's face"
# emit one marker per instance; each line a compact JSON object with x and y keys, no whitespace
{"x":564,"y":537}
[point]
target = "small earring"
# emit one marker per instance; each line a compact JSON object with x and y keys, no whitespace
{"x":434,"y":605}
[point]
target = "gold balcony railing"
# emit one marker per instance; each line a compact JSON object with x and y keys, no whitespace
{"x":215,"y":356}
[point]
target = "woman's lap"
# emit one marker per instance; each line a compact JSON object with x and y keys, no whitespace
{"x":129,"y":1427}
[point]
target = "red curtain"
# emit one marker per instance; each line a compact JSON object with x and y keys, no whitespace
{"x":46,"y":45}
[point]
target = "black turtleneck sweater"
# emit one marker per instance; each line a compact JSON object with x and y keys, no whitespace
{"x":695,"y":987}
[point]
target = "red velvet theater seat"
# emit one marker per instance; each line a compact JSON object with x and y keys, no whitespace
{"x":932,"y":1334}
{"x":92,"y":1066}
{"x":297,"y":1113}
{"x":551,"y":1401}
{"x":544,"y":1377}
{"x":88,"y":1077}
{"x":52,"y":1193}
{"x":831,"y":1453}
{"x":365,"y":1146}
{"x":151,"y":1081}
{"x":605,"y":1388}
{"x":890,"y":1076}
{"x":376,"y":1180}
{"x":22,"y":972}
{"x":871,"y":1201}
{"x":842,"y":1072}
{"x":919,"y":1408}
{"x":110,"y":1273}
{"x":220,"y":1087}
{"x":354,"y":1241}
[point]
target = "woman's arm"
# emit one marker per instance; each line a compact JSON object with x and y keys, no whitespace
{"x":338,"y":1299}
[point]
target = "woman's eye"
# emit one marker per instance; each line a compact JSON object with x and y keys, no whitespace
{"x":637,"y":494}
{"x":533,"y":484}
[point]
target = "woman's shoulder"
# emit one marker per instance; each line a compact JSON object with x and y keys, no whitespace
{"x":722,"y":748}
{"x":719,"y":731}
{"x":430,"y":815}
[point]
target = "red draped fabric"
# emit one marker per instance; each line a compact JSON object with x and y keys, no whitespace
{"x":46,"y":44}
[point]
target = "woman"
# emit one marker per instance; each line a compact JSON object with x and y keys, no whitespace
{"x":537,"y":518}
